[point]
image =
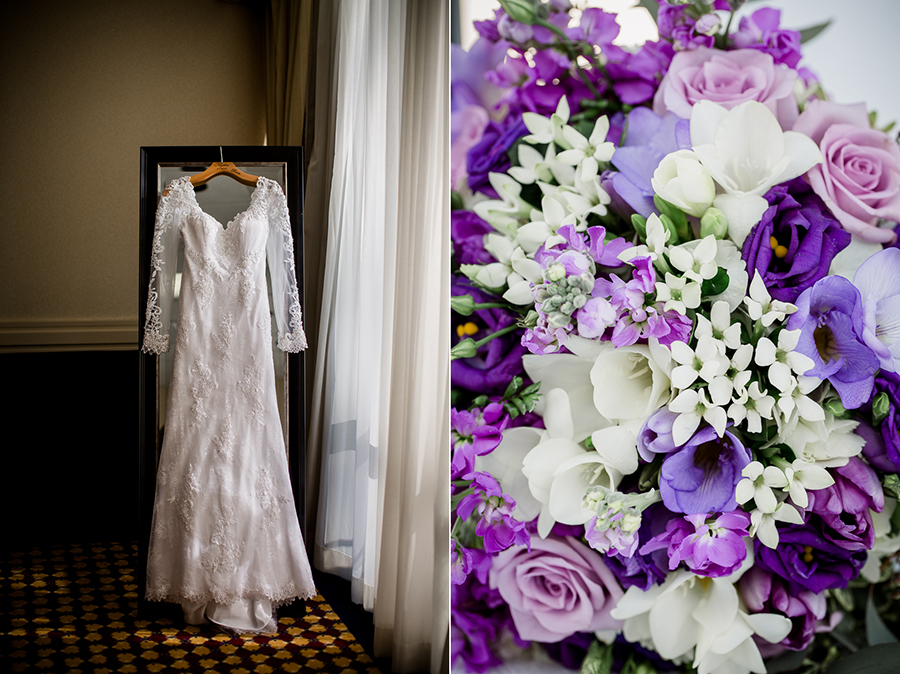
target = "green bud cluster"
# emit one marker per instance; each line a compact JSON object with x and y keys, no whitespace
{"x":562,"y":297}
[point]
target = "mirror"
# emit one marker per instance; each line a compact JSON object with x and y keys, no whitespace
{"x":223,"y":198}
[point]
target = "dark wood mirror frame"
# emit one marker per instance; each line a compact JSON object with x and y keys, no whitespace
{"x":199,"y":158}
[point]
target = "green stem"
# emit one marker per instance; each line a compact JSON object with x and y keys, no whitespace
{"x":499,"y":333}
{"x":570,"y":51}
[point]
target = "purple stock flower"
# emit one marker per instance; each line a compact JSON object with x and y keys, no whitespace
{"x":677,"y":26}
{"x":489,"y":155}
{"x":710,"y":545}
{"x":764,"y":592}
{"x":793,"y":245}
{"x":830,"y":317}
{"x":701,"y":477}
{"x":649,"y":138}
{"x":636,"y":76}
{"x":760,"y":31}
{"x":844,"y":507}
{"x":807,"y":560}
{"x":495,"y":524}
{"x":467,"y":231}
{"x":644,"y":570}
{"x":498,"y":361}
{"x":460,"y":563}
{"x":656,"y":435}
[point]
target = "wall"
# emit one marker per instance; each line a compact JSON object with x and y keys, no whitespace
{"x":85,"y":85}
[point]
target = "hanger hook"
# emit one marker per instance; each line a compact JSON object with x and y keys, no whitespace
{"x":220,"y":155}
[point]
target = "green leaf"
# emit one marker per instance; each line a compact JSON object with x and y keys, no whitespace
{"x":876,"y":631}
{"x":892,"y":485}
{"x":716,"y":285}
{"x":651,"y":6}
{"x":513,"y":387}
{"x":675,"y":214}
{"x":599,"y":659}
{"x":881,"y":659}
{"x":808,"y":34}
{"x":456,"y":201}
{"x":639,"y":223}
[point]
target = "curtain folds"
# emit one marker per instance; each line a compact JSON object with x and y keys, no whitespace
{"x":376,"y":139}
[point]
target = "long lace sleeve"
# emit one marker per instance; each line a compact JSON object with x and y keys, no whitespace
{"x":280,"y":255}
{"x":163,"y":261}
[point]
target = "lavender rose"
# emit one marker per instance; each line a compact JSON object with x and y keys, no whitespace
{"x":728,"y":78}
{"x":859,"y":179}
{"x":559,"y":588}
{"x":793,"y":245}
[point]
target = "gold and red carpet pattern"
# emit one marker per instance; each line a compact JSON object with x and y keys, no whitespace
{"x":74,"y":609}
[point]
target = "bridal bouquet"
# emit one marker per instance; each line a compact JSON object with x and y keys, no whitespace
{"x":677,"y":361}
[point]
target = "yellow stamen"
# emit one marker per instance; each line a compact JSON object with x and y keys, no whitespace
{"x":466,"y":329}
{"x":807,"y":554}
{"x":780,"y":251}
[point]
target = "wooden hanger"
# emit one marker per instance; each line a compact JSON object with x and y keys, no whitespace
{"x":221,"y":168}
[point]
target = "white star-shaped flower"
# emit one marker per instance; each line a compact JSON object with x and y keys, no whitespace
{"x":762,"y":307}
{"x":782,"y":360}
{"x":587,"y":153}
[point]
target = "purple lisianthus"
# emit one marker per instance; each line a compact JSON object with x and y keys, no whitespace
{"x":636,"y":76}
{"x":701,"y":476}
{"x":764,"y":592}
{"x":760,"y":31}
{"x":830,"y":317}
{"x":656,"y":435}
{"x":495,"y":523}
{"x":490,"y":154}
{"x":710,"y":546}
{"x":889,"y":384}
{"x":807,"y":560}
{"x":845,"y":506}
{"x":467,"y":232}
{"x":498,"y":361}
{"x":649,"y":138}
{"x":792,"y":246}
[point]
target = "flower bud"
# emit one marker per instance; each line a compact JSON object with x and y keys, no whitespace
{"x":464,"y":305}
{"x":555,"y":272}
{"x":465,"y":349}
{"x":708,"y":24}
{"x":522,"y":11}
{"x":880,"y":407}
{"x":684,"y":182}
{"x":713,"y":222}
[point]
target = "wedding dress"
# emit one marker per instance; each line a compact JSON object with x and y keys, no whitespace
{"x":225,"y":541}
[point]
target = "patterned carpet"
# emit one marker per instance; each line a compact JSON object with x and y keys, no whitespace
{"x":74,"y":609}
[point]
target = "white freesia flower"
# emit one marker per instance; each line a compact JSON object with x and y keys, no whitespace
{"x":700,"y":619}
{"x":684,"y":182}
{"x":505,"y":464}
{"x":546,"y":130}
{"x":747,"y":153}
{"x":847,"y":261}
{"x":587,"y":153}
{"x":829,"y":442}
{"x":630,"y":382}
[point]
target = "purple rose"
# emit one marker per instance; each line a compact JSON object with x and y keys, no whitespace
{"x":764,"y":592}
{"x":807,"y":560}
{"x":498,"y":361}
{"x":859,"y":179}
{"x":729,"y":79}
{"x":830,"y":317}
{"x":793,"y":245}
{"x":559,"y":588}
{"x":489,"y":155}
{"x":760,"y":31}
{"x":701,"y":476}
{"x":845,"y":506}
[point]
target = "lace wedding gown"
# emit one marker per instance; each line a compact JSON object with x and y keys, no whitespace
{"x":225,"y":540}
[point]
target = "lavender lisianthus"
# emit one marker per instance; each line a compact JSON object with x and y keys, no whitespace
{"x":498,"y":361}
{"x":830,"y":318}
{"x":807,"y":560}
{"x":467,"y":232}
{"x":761,"y":31}
{"x":792,"y":246}
{"x":709,"y":545}
{"x":845,"y":507}
{"x":701,"y":476}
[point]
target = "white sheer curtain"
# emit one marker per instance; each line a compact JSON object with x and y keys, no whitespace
{"x":380,"y":401}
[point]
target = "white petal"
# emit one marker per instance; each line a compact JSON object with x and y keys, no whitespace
{"x":684,"y":427}
{"x":741,"y":212}
{"x":771,"y":627}
{"x":617,"y":446}
{"x":767,"y":533}
{"x":744,"y":491}
{"x":765,"y":499}
{"x":765,"y":352}
{"x":557,"y":414}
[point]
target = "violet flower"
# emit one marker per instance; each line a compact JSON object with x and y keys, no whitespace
{"x":701,"y":476}
{"x":636,"y":76}
{"x":648,"y":139}
{"x":809,"y":561}
{"x":460,"y":563}
{"x":830,"y":317}
{"x":655,"y":436}
{"x":710,"y":545}
{"x":793,"y":245}
{"x":490,"y":154}
{"x":467,"y":232}
{"x":677,"y":26}
{"x":498,"y":361}
{"x":764,"y":592}
{"x":495,"y":524}
{"x":760,"y":31}
{"x":845,"y":506}
{"x":878,"y":281}
{"x":888,"y":383}
{"x":644,"y":570}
